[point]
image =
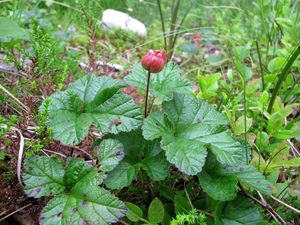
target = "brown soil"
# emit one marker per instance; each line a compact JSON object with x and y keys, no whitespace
{"x":13,"y":198}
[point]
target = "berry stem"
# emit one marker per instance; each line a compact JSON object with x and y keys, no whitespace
{"x":146,"y":97}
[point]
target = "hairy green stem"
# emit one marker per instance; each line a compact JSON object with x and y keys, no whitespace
{"x":162,"y":25}
{"x":245,"y":120}
{"x":259,"y":149}
{"x":282,"y":76}
{"x":260,"y":65}
{"x":179,"y":25}
{"x":242,"y":76}
{"x":146,"y":96}
{"x":151,"y":104}
{"x":271,"y":159}
{"x":173,"y":27}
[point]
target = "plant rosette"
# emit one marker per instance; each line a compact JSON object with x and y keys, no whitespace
{"x":184,"y":131}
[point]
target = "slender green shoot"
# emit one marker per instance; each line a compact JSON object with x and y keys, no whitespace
{"x":245,"y":118}
{"x":179,"y":25}
{"x":173,"y":27}
{"x":283,"y":74}
{"x":261,"y":67}
{"x":162,"y":24}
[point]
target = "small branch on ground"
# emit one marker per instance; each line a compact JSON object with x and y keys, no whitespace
{"x":264,"y":204}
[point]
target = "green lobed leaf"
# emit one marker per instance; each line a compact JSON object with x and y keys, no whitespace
{"x":122,"y":175}
{"x":240,"y":211}
{"x":43,"y":176}
{"x":221,"y":188}
{"x":156,"y":211}
{"x":219,"y":181}
{"x":97,"y":207}
{"x":226,"y":149}
{"x":82,"y":202}
{"x":188,"y":126}
{"x":91,"y":100}
{"x":155,"y":126}
{"x":250,"y":176}
{"x":109,"y":154}
{"x":188,"y":155}
{"x":139,"y":154}
{"x":156,"y":167}
{"x":88,"y":177}
{"x":162,"y":84}
{"x":215,"y":182}
{"x":76,"y":170}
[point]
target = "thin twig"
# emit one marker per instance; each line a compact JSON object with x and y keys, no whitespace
{"x":205,"y":213}
{"x":85,"y":152}
{"x":262,"y":198}
{"x":56,"y":153}
{"x":293,"y":148}
{"x":285,"y":204}
{"x":1,"y":214}
{"x":20,"y":154}
{"x":222,"y":7}
{"x":13,"y":108}
{"x":265,"y":205}
{"x":25,"y":108}
{"x":14,"y":212}
{"x":123,"y":222}
{"x":187,"y":195}
{"x":45,"y":153}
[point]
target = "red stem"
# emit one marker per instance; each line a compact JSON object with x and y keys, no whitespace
{"x":146,"y":97}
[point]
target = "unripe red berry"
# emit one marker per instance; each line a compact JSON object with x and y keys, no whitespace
{"x":197,"y":36}
{"x":154,"y":61}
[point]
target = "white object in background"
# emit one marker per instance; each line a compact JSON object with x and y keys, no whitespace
{"x":116,"y":19}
